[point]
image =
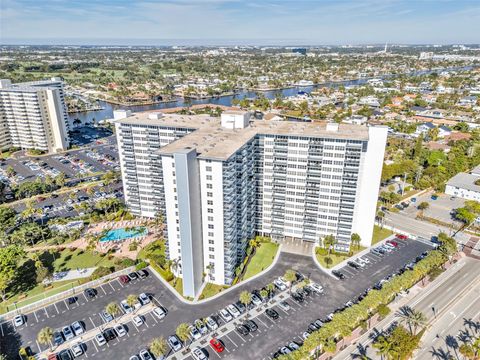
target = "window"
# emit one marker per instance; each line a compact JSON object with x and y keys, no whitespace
{"x":209,"y":202}
{"x":209,"y":194}
{"x":209,"y":186}
{"x":209,"y":177}
{"x":208,"y":168}
{"x":210,"y":218}
{"x":210,"y":226}
{"x":210,"y":211}
{"x":212,"y":249}
{"x":211,"y":257}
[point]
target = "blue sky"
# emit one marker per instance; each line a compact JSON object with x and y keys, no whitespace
{"x":257,"y":21}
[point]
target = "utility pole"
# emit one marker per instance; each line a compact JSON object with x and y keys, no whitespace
{"x":404,"y":182}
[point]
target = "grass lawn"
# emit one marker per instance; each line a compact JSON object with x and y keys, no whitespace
{"x":210,"y":290}
{"x":336,"y":257}
{"x":379,"y":234}
{"x":262,"y":259}
{"x":37,"y":293}
{"x":68,"y":259}
{"x":178,"y":285}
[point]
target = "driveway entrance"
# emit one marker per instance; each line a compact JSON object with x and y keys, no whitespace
{"x":297,"y":246}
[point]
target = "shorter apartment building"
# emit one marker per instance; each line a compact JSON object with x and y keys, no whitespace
{"x":33,"y":115}
{"x":465,"y":185}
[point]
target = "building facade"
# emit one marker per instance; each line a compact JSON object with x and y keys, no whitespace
{"x":33,"y":115}
{"x":279,"y":179}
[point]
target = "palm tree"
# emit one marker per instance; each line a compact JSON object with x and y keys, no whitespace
{"x":183,"y":332}
{"x":362,"y":353}
{"x":132,"y":300}
{"x":355,"y":240}
{"x":384,"y":347}
{"x":441,"y":354}
{"x":290,"y":276}
{"x":245,"y":298}
{"x":328,"y":242}
{"x":270,"y":288}
{"x":112,"y":309}
{"x":45,"y":336}
{"x":413,"y":318}
{"x":159,"y":347}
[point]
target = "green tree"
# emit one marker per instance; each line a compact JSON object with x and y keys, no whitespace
{"x":355,"y":240}
{"x":132,"y":300}
{"x":245,"y":298}
{"x":328,"y":261}
{"x":290,"y":276}
{"x":413,"y":318}
{"x":112,"y":309}
{"x":10,"y":257}
{"x":383,"y":310}
{"x":60,"y":180}
{"x":183,"y":332}
{"x":423,"y":205}
{"x":159,"y":347}
{"x":464,"y":215}
{"x":45,"y":336}
{"x":328,"y":242}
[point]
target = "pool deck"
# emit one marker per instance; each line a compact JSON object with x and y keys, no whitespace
{"x":121,"y":246}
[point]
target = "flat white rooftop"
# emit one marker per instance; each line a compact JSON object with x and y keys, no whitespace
{"x":212,"y":141}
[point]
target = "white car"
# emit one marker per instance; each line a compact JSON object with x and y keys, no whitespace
{"x":194,"y":333}
{"x":138,"y":321}
{"x":174,"y":343}
{"x":305,"y":335}
{"x":145,"y":355}
{"x":256,"y":300}
{"x":67,"y":333}
{"x":201,"y":326}
{"x":100,"y":339}
{"x":232,"y":309}
{"x":120,"y":330}
{"x":293,"y":345}
{"x":126,"y":308}
{"x":144,"y":299}
{"x":284,"y":305}
{"x":77,"y":349}
{"x":225,"y":315}
{"x":280,"y":284}
{"x":390,"y":246}
{"x":77,"y":328}
{"x":366,"y":260}
{"x":316,"y":287}
{"x":211,"y":323}
{"x":198,"y":354}
{"x":18,"y":320}
{"x":360,"y":262}
{"x":159,"y":313}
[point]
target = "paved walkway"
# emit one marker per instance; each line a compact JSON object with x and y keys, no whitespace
{"x":73,"y":274}
{"x":295,"y":246}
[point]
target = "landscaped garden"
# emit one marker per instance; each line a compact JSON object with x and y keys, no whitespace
{"x":262,"y":259}
{"x":380,"y":233}
{"x":328,"y":260}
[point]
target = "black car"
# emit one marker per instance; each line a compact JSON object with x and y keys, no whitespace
{"x":353,"y":265}
{"x":65,"y":355}
{"x":312,"y":327}
{"x":133,"y":276}
{"x":272,"y":314}
{"x":72,"y":300}
{"x":142,"y":273}
{"x":90,"y":293}
{"x":307,"y":291}
{"x":58,"y":338}
{"x":299,"y":275}
{"x":338,"y":274}
{"x":109,"y":334}
{"x":251,"y":325}
{"x":243,"y":330}
{"x":301,"y":292}
{"x":297,"y":297}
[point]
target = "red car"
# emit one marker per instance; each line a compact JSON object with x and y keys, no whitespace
{"x":394,"y":243}
{"x":217,"y":345}
{"x":401,"y":237}
{"x":124,"y":279}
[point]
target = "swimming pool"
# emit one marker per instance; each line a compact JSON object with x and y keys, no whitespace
{"x":123,"y":233}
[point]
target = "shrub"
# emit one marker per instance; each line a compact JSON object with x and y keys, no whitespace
{"x":127,"y":262}
{"x":101,"y":271}
{"x":321,"y":251}
{"x":141,"y":265}
{"x":383,"y":310}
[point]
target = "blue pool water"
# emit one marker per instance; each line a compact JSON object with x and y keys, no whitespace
{"x":121,"y":234}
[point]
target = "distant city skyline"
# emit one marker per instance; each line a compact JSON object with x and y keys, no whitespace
{"x":231,"y":22}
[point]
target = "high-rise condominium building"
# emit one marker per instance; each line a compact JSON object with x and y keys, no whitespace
{"x":219,"y":182}
{"x":33,"y":115}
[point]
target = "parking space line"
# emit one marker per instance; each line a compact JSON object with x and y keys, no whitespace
{"x":94,"y":326}
{"x":35,"y":313}
{"x":58,"y":312}
{"x":233,"y":342}
{"x":85,"y":297}
{"x":39,"y":348}
{"x":110,"y":283}
{"x":119,"y":282}
{"x":93,"y":342}
{"x":153,"y":317}
{"x":101,"y":287}
{"x":46,"y":313}
{"x":258,"y":318}
{"x":65,"y":301}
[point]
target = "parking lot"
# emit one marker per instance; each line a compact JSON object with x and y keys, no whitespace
{"x":270,"y":336}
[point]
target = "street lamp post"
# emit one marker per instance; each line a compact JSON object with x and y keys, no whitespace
{"x":434,"y":312}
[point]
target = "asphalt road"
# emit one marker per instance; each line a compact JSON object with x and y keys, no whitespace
{"x":454,"y":298}
{"x":267,"y":340}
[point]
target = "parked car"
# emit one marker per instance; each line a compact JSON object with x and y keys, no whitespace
{"x":316,"y":287}
{"x":243,"y":330}
{"x":18,"y":320}
{"x":58,"y":338}
{"x":125,"y":307}
{"x":194,"y":333}
{"x":338,"y":274}
{"x":68,"y":333}
{"x":124,"y":279}
{"x":106,"y":316}
{"x":109,"y":334}
{"x":272,"y":314}
{"x":159,"y":312}
{"x":256,"y":300}
{"x":225,"y":315}
{"x":198,"y":354}
{"x":241,"y":307}
{"x":65,"y":355}
{"x":217,"y":345}
{"x":211,"y":323}
{"x":133,"y":276}
{"x":280,"y":285}
{"x":100,"y":339}
{"x":142,"y":274}
{"x":174,"y":343}
{"x":90,"y":293}
{"x":138,"y":321}
{"x":145,"y":355}
{"x":120,"y":330}
{"x":144,"y":299}
{"x":233,"y":310}
{"x":77,"y":349}
{"x":353,"y":264}
{"x":401,"y":236}
{"x":201,"y":326}
{"x":77,"y":328}
{"x":251,"y":325}
{"x":284,"y":305}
